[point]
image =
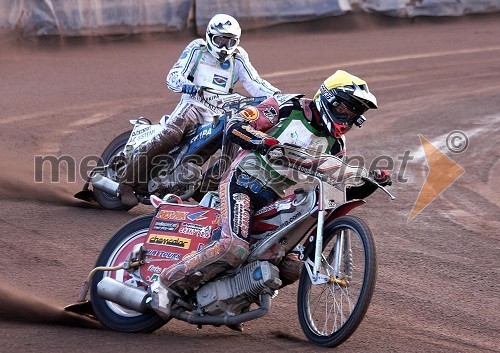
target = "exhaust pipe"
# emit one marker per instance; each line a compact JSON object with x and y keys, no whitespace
{"x":102,"y":183}
{"x":119,"y":293}
{"x":227,"y":319}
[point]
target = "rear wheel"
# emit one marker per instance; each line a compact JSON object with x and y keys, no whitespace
{"x":110,"y":157}
{"x":330,"y":313}
{"x":112,"y":315}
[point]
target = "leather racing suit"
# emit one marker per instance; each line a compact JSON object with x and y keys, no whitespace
{"x":195,"y":66}
{"x":249,"y":184}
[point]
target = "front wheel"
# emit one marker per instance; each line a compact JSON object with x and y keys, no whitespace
{"x":105,"y":200}
{"x":112,"y":315}
{"x":330,"y":313}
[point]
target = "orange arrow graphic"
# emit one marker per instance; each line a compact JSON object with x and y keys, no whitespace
{"x":442,"y":173}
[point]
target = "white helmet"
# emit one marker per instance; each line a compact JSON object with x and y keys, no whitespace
{"x":223,"y":36}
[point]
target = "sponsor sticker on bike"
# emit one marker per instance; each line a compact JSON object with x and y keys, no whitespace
{"x":172,"y":214}
{"x":168,"y":240}
{"x":195,"y":230}
{"x":177,"y":230}
{"x":165,"y":226}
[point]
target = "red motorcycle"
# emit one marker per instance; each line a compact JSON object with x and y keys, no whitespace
{"x":338,"y":251}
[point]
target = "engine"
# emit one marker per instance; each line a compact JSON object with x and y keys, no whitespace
{"x":175,"y":182}
{"x":231,"y":295}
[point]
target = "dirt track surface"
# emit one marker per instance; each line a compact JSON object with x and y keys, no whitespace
{"x":438,"y":281}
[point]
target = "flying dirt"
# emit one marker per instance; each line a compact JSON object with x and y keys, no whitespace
{"x":23,"y":307}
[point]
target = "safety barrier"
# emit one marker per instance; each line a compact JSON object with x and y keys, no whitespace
{"x":102,"y":17}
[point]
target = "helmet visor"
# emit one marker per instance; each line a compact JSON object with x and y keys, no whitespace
{"x":221,"y":42}
{"x":342,"y":113}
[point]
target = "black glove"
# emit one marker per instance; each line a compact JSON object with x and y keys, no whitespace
{"x":381,"y":176}
{"x":267,"y":143}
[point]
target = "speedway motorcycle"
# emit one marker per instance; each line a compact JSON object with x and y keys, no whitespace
{"x":337,"y":279}
{"x":195,"y":164}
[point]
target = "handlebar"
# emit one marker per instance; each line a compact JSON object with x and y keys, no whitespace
{"x":325,"y":167}
{"x":223,"y":103}
{"x":384,"y":189}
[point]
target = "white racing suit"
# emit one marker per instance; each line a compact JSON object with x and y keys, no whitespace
{"x":195,"y":66}
{"x":251,"y":184}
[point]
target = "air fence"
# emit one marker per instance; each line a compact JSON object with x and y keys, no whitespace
{"x":108,"y":17}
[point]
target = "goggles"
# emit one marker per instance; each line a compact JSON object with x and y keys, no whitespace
{"x":346,"y":115}
{"x":221,"y":41}
{"x":342,"y":112}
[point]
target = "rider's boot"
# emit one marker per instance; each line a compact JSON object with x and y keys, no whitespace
{"x":129,"y":179}
{"x":127,"y":195}
{"x":290,"y":268}
{"x":136,"y":171}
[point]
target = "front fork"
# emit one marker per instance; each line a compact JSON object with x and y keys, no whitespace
{"x":333,"y":273}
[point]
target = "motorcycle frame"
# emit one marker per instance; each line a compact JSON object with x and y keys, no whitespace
{"x":316,"y":277}
{"x":313,"y":266}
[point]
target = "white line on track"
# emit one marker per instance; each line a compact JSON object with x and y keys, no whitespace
{"x":381,"y":60}
{"x":492,"y":125}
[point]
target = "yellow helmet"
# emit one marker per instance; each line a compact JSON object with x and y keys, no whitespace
{"x":341,"y":101}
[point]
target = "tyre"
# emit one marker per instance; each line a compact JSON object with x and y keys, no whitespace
{"x":105,"y":200}
{"x":330,"y":313}
{"x":112,"y":315}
